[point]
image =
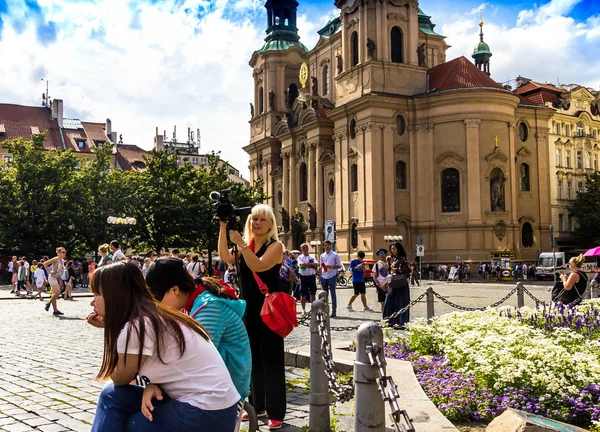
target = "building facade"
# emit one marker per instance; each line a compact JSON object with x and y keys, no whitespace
{"x":373,"y":133}
{"x":574,"y":142}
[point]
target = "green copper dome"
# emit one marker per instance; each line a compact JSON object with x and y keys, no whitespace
{"x":281,"y":45}
{"x":482,"y":48}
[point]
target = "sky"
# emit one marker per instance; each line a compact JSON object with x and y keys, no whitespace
{"x":160,"y":63}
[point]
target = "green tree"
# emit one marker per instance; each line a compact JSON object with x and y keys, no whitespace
{"x":40,"y":217}
{"x":163,"y":201}
{"x":586,"y":209}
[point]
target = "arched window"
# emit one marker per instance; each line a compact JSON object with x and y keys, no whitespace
{"x":325,"y":80}
{"x":450,"y":190}
{"x":353,"y":178}
{"x":397,"y":42}
{"x":352,"y":129}
{"x":354,"y":45}
{"x":261,"y":105}
{"x":303,"y":182}
{"x":524,"y":177}
{"x":527,"y":235}
{"x":580,"y":129}
{"x":354,"y":236}
{"x":400,"y":175}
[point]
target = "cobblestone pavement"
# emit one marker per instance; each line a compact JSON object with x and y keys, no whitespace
{"x":48,"y":363}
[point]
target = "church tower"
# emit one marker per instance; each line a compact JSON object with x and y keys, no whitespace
{"x":281,"y":20}
{"x":482,"y":52}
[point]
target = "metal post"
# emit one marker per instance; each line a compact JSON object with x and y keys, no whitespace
{"x":322,"y":295}
{"x":369,"y":408}
{"x":430,"y":308}
{"x":594,"y":289}
{"x":319,"y":387}
{"x":520,"y":296}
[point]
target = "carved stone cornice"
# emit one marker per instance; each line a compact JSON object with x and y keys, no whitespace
{"x":472,"y":123}
{"x":286,"y":154}
{"x":543,"y":136}
{"x":425,"y":127}
{"x":352,"y":22}
{"x":512,"y":125}
{"x":401,"y":148}
{"x":523,"y":152}
{"x":397,"y":16}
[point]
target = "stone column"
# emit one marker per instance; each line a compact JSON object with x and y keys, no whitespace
{"x":389,"y":176}
{"x":385,"y":42}
{"x":285,"y":187}
{"x":473,"y":171}
{"x":367,"y":172}
{"x":425,"y":174}
{"x":412,"y":34}
{"x":345,"y":43}
{"x":379,"y":24}
{"x":280,"y":97}
{"x":320,"y":187}
{"x":293,"y":183}
{"x":312,"y":187}
{"x":512,"y":175}
{"x":341,"y":171}
{"x":362,"y":34}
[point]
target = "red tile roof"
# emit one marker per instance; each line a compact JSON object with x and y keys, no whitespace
{"x":18,"y":120}
{"x":72,"y":137}
{"x":532,"y":86}
{"x":95,"y":131}
{"x":130,"y":157}
{"x":459,"y":73}
{"x":539,"y":98}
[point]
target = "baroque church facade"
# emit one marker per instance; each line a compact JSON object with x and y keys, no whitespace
{"x":374,"y":133}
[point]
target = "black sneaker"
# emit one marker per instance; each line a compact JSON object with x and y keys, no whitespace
{"x":57,"y":313}
{"x":47,"y":307}
{"x":333,"y":315}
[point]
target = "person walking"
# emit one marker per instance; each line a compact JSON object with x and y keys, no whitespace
{"x":58,"y":267}
{"x":307,"y":267}
{"x":105,"y":257}
{"x":381,"y":276}
{"x":117,"y":254}
{"x":330,"y":264}
{"x":398,"y":295}
{"x":260,"y":260}
{"x":39,"y":278}
{"x":69,"y":281}
{"x":187,"y":386}
{"x":13,"y":268}
{"x":194,"y":267}
{"x":357,"y":267}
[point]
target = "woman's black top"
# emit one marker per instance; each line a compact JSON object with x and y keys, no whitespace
{"x":250,"y":291}
{"x":569,"y":296}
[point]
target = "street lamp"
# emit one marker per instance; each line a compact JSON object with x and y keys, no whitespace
{"x":315,"y":244}
{"x":112,"y":220}
{"x":393,"y":238}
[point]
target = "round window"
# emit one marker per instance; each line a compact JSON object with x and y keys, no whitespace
{"x":400,"y":125}
{"x":523,"y":131}
{"x":331,"y":187}
{"x":353,"y":129}
{"x":279,"y":197}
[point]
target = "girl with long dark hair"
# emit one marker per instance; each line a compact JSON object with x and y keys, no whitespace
{"x":398,"y":295}
{"x":187,"y":386}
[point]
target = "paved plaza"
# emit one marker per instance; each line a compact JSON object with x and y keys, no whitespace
{"x":48,"y":363}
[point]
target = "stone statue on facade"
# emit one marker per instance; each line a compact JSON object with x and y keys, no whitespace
{"x":286,"y":93}
{"x":285,"y":220}
{"x":340,"y":62}
{"x":251,"y":110}
{"x":314,"y":84}
{"x":497,"y":193}
{"x":299,"y":228}
{"x":272,"y":100}
{"x":312,"y":217}
{"x":371,"y":47}
{"x":421,"y":54}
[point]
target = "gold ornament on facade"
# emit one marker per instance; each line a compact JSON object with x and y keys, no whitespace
{"x":303,"y":75}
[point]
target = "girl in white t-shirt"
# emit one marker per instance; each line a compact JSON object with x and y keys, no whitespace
{"x":182,"y":383}
{"x":40,"y":281}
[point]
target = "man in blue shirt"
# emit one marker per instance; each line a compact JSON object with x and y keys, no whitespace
{"x":330,"y":264}
{"x":357,"y":267}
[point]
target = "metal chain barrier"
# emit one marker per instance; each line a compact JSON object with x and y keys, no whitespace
{"x":471,"y":309}
{"x":405,"y":308}
{"x":342,"y":393}
{"x":388,"y":389}
{"x":305,"y":320}
{"x":534,"y":298}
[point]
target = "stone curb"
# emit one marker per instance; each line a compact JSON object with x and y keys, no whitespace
{"x":424,"y":414}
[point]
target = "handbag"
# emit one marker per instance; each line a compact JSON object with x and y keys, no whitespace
{"x":278,"y":311}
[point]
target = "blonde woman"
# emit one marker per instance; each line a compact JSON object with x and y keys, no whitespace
{"x":575,"y":283}
{"x":58,"y":267}
{"x":260,"y":252}
{"x":105,"y":256}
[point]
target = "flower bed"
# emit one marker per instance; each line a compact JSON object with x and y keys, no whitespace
{"x":474,"y":365}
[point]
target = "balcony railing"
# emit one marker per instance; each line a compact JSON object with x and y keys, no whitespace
{"x":580,"y":134}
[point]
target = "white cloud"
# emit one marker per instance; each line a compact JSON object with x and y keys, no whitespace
{"x":175,"y":69}
{"x":544,"y":44}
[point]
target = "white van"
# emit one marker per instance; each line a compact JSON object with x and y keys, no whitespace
{"x":545,"y":267}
